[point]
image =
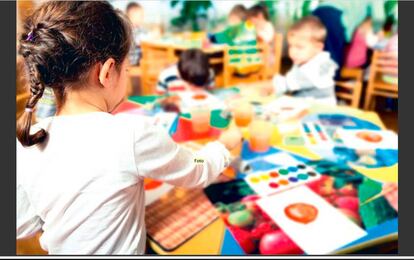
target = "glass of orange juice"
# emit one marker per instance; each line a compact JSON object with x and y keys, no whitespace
{"x":260,"y":134}
{"x":243,"y":113}
{"x":200,"y":117}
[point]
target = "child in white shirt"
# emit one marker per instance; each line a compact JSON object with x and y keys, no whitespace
{"x":259,"y":16}
{"x":313,"y":71}
{"x":80,"y":174}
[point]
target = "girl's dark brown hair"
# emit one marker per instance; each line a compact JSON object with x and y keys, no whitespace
{"x":60,"y":42}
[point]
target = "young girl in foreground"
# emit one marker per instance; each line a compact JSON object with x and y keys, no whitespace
{"x":80,"y":173}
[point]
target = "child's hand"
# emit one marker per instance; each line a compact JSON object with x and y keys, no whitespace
{"x":266,"y":89}
{"x":231,"y":138}
{"x":391,"y":194}
{"x":171,"y":104}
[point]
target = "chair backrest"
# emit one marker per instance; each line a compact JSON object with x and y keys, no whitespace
{"x":154,"y":59}
{"x":384,"y":64}
{"x":383,"y":78}
{"x":349,"y":87}
{"x":245,"y":60}
{"x":277,"y":51}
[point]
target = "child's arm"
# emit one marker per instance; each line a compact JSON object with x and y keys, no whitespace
{"x":158,"y":157}
{"x":318,"y":74}
{"x":28,"y":222}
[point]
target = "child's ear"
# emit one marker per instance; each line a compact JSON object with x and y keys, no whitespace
{"x":107,"y":68}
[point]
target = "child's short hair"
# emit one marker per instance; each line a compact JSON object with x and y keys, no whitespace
{"x":132,"y":5}
{"x":313,"y":25}
{"x":60,"y":42}
{"x":239,"y":11}
{"x":193,"y":67}
{"x":258,"y":9}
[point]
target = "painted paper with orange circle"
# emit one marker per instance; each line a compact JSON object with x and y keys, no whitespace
{"x":369,"y":137}
{"x":301,"y":212}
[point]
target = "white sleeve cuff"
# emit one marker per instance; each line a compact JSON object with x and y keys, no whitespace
{"x":279,"y":85}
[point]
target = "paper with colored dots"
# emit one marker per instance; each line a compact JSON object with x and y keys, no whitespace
{"x":315,"y":135}
{"x":280,"y":179}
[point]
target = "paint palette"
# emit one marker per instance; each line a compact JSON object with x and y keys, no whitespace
{"x":280,"y":179}
{"x":316,"y":135}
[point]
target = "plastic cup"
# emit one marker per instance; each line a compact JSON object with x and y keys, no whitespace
{"x":260,"y":135}
{"x":243,"y":114}
{"x":200,"y":117}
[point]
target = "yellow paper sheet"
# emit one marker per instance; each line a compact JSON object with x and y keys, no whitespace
{"x":383,"y":174}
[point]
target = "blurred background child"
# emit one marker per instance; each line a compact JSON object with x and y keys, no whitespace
{"x":313,"y":71}
{"x":363,"y":39}
{"x":237,"y":15}
{"x":191,"y":71}
{"x":135,"y":13}
{"x":238,"y":31}
{"x":259,"y":16}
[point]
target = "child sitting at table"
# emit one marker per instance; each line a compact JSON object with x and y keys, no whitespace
{"x":238,"y":32}
{"x":80,"y":174}
{"x":191,"y":72}
{"x":259,"y":16}
{"x":135,"y":13}
{"x":313,"y":71}
{"x":237,"y":15}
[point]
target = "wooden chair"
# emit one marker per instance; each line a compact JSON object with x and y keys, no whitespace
{"x":350,"y":86}
{"x":383,"y":63}
{"x":248,"y":60}
{"x":134,"y":75}
{"x":274,"y":62}
{"x":154,"y":59}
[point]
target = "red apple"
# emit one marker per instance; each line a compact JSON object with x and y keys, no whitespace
{"x":261,"y":229}
{"x":277,"y":242}
{"x":244,"y":239}
{"x":348,"y":202}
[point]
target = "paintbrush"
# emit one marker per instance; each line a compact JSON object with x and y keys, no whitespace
{"x":382,"y":193}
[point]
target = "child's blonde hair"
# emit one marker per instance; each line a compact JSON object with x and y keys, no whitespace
{"x":313,"y":25}
{"x":239,"y":11}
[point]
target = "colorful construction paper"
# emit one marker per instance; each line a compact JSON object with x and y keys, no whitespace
{"x":329,"y":230}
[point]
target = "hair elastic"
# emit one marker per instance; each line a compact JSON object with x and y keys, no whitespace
{"x":28,"y":109}
{"x":30,"y":36}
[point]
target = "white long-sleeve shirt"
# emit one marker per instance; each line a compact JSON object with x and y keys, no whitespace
{"x":314,"y":79}
{"x":84,"y":185}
